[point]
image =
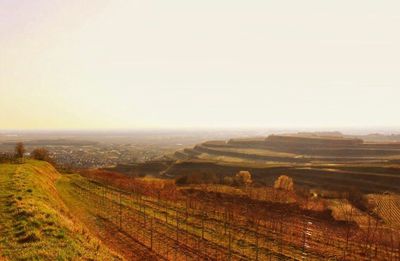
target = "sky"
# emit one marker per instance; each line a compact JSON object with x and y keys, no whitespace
{"x":199,"y":64}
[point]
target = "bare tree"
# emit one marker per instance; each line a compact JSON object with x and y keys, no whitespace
{"x":20,"y":150}
{"x":347,"y":213}
{"x":40,"y":154}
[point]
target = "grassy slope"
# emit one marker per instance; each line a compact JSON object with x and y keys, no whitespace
{"x":34,"y":222}
{"x":103,"y":229}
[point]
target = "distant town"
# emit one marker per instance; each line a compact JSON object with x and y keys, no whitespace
{"x":102,"y":150}
{"x":97,"y":155}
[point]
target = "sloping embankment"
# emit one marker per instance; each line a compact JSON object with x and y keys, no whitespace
{"x":34,"y":222}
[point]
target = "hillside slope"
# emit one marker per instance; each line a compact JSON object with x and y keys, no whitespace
{"x":329,"y":162}
{"x":34,"y":222}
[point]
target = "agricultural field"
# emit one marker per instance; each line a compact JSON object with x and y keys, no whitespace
{"x":328,"y":163}
{"x":387,"y":207}
{"x":213,"y":226}
{"x":249,"y":153}
{"x":197,"y":208}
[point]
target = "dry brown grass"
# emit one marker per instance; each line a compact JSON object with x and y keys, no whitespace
{"x":343,"y":210}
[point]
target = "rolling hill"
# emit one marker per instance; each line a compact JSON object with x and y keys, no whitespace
{"x":331,"y":162}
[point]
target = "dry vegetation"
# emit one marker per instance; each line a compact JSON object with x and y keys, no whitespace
{"x":387,"y":207}
{"x":220,"y":222}
{"x":254,"y":205}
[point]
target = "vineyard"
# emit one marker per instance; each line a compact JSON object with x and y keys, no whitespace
{"x":388,"y":207}
{"x":205,"y":228}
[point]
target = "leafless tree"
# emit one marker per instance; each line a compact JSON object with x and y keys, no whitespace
{"x":40,"y":154}
{"x":20,"y":150}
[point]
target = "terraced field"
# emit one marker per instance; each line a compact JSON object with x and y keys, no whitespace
{"x":316,"y":162}
{"x":251,"y":153}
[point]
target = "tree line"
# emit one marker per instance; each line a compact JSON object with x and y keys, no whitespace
{"x":20,"y":153}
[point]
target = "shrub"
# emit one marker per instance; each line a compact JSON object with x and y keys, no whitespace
{"x":284,"y":183}
{"x":243,"y":178}
{"x":40,"y":154}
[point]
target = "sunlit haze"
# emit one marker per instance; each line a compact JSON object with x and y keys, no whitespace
{"x":190,"y":64}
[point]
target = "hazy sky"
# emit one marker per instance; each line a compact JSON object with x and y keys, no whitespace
{"x":209,"y":63}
